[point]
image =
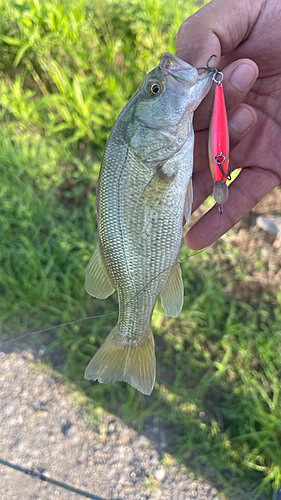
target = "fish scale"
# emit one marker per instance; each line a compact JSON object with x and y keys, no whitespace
{"x":145,"y":175}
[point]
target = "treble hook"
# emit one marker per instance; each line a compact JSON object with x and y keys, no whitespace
{"x":213,"y":70}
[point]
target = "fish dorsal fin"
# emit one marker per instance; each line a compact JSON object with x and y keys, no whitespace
{"x":173,"y":293}
{"x":188,"y":201}
{"x":97,"y":281}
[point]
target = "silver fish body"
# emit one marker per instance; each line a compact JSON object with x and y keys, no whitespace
{"x":144,"y":191}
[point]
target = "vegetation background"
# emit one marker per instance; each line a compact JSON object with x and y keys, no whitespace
{"x":67,"y":69}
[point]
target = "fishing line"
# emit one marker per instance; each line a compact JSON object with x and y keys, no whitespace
{"x":39,"y":475}
{"x":44,"y":330}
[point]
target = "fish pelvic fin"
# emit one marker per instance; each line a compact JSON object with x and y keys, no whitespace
{"x":116,"y":362}
{"x":97,"y":281}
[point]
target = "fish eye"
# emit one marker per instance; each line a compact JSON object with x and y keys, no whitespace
{"x":154,"y":88}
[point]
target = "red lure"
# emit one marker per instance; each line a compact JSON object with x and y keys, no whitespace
{"x":219,"y":145}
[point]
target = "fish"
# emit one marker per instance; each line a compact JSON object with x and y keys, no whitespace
{"x":144,"y":191}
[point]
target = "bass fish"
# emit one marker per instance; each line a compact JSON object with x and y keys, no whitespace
{"x":144,"y":191}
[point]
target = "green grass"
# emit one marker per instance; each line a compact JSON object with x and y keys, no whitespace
{"x":67,"y":69}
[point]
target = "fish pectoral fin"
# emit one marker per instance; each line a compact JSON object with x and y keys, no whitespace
{"x":172,"y":294}
{"x":188,"y":201}
{"x":166,"y":171}
{"x":155,"y":191}
{"x":97,"y":281}
{"x":116,"y":362}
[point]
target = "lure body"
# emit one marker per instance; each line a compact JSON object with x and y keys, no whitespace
{"x":219,"y":147}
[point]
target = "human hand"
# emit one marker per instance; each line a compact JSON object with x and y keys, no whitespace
{"x":246,"y":37}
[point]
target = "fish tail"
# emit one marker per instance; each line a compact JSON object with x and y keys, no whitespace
{"x":116,"y":362}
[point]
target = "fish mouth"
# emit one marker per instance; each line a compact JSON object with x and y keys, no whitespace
{"x":181,"y":70}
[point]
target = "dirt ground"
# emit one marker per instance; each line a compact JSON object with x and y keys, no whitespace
{"x":41,"y":428}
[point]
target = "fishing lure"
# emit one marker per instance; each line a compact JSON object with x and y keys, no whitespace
{"x":219,"y":144}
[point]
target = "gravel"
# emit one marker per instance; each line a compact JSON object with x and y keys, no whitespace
{"x":41,"y":428}
{"x":270,"y":223}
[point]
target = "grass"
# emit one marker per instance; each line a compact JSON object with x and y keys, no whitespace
{"x":67,"y":69}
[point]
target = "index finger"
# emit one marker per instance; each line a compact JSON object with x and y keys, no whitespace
{"x":218,"y":28}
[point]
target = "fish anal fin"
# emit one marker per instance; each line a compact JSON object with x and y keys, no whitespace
{"x":116,"y":362}
{"x":172,"y":294}
{"x":97,"y":281}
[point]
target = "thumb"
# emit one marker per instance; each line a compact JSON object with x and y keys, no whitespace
{"x":218,"y":28}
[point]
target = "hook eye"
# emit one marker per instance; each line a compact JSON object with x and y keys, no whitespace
{"x":220,"y":74}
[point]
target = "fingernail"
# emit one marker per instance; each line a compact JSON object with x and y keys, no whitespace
{"x":241,"y":120}
{"x":243,"y":77}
